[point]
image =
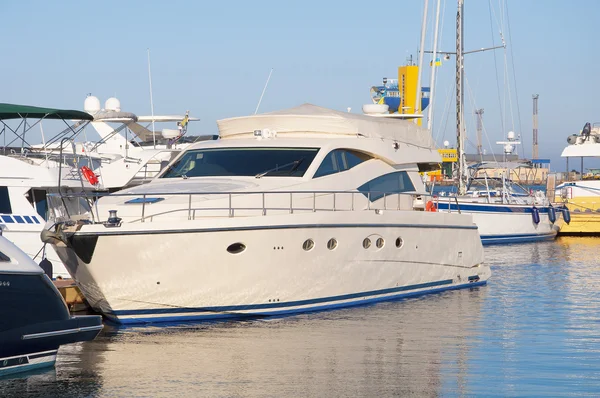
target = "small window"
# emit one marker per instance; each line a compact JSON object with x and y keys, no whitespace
{"x":329,"y":166}
{"x":354,"y":158}
{"x":4,"y":258}
{"x":366,"y":243}
{"x":332,"y":244}
{"x":308,"y":245}
{"x":5,"y":207}
{"x":340,"y":160}
{"x":399,"y":242}
{"x":387,"y":184}
{"x":379,"y":243}
{"x":236,"y":248}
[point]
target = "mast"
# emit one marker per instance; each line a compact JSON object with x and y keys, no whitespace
{"x":460,"y":139}
{"x":479,"y":113}
{"x":535,"y":154}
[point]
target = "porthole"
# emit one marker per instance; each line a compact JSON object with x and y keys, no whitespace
{"x":379,"y":243}
{"x":366,"y":243}
{"x":399,"y":242}
{"x":236,"y":248}
{"x":308,"y":245}
{"x":331,"y":244}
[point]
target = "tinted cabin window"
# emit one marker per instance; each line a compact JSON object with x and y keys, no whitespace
{"x":37,"y":198}
{"x":340,"y":160}
{"x":5,"y":201}
{"x":4,"y":258}
{"x":256,"y":162}
{"x":389,"y":183}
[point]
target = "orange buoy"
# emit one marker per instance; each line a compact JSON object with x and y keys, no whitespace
{"x":430,"y":206}
{"x":89,"y":175}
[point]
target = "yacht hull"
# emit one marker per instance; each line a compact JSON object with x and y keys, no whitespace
{"x":506,"y":224}
{"x":35,"y":322}
{"x":160,"y":272}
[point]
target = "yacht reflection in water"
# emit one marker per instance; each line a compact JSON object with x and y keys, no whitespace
{"x":416,"y":346}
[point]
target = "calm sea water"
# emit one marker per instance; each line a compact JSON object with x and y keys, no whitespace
{"x":534,"y":330}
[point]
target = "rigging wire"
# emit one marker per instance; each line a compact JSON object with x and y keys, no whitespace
{"x":512,"y":58}
{"x":431,"y":100}
{"x":483,"y":128}
{"x":496,"y":68}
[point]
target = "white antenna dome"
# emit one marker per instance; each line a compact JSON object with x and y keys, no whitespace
{"x":112,"y":104}
{"x":511,"y":135}
{"x":446,"y":144}
{"x":91,"y":104}
{"x":375,"y":109}
{"x":170,"y":133}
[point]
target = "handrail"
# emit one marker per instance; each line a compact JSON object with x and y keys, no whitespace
{"x":263,"y":208}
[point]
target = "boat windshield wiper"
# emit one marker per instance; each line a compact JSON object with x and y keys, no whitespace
{"x":295,"y":164}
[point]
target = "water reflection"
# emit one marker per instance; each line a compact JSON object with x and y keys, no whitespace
{"x":531,"y":331}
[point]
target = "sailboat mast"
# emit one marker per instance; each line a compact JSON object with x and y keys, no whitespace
{"x":460,"y":139}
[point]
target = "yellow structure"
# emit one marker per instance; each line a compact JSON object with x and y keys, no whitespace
{"x":448,"y":155}
{"x":585,"y":214}
{"x":407,"y":86}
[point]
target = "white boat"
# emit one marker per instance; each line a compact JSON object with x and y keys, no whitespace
{"x":35,"y":318}
{"x":127,"y":152}
{"x":26,"y":185}
{"x":581,"y":193}
{"x":502,"y":215}
{"x":297,"y":210}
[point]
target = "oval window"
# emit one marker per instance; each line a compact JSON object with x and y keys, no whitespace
{"x":308,"y":245}
{"x":399,"y":242}
{"x":236,"y":248}
{"x":379,"y":243}
{"x":332,"y":244}
{"x":366,"y":243}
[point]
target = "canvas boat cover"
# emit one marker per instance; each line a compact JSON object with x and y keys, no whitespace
{"x":312,"y":119}
{"x":14,"y":111}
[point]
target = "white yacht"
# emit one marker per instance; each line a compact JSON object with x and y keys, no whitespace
{"x":580,"y":192}
{"x":27,"y":183}
{"x":289,"y":211}
{"x":127,"y":151}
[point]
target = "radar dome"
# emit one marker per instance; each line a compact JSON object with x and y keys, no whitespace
{"x":112,"y":104}
{"x":511,"y":135}
{"x":170,"y":133}
{"x":446,"y":144}
{"x":375,"y":109}
{"x":91,"y":104}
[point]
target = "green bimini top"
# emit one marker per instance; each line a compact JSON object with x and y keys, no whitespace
{"x":14,"y":111}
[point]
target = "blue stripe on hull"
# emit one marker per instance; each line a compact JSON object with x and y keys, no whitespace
{"x":523,"y":238}
{"x":490,"y":208}
{"x":281,"y":311}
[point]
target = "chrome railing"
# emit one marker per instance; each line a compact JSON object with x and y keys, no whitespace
{"x":265,"y":203}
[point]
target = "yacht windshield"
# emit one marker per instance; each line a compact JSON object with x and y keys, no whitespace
{"x":255,"y":162}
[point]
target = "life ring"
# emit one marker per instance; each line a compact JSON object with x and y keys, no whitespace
{"x":89,"y":175}
{"x":430,"y":206}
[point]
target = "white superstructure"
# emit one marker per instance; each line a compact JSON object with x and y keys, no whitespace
{"x":290,"y":211}
{"x":25,"y":203}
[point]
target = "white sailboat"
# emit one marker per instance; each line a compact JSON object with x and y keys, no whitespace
{"x":501,"y":215}
{"x":291,"y":211}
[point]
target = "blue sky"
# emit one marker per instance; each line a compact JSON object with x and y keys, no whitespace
{"x":213,"y":58}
